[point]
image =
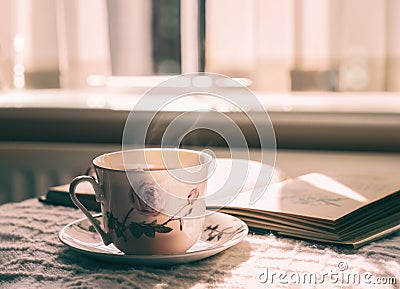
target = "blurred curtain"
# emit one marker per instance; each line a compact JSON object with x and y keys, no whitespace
{"x":342,"y":45}
{"x":338,"y":45}
{"x":50,"y":44}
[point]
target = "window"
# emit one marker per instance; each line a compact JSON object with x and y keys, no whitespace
{"x":345,"y":45}
{"x":288,"y":45}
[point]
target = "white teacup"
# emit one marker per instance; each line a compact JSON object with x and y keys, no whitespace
{"x":151,"y":199}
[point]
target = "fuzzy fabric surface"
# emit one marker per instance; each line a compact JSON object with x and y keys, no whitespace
{"x":31,"y":256}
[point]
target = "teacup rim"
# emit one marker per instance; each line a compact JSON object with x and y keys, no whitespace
{"x":151,"y":149}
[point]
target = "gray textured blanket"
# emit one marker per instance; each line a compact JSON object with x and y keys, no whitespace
{"x":31,"y":256}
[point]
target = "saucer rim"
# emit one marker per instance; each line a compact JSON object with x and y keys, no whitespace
{"x":163,"y":259}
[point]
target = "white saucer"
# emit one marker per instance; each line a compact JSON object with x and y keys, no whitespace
{"x":80,"y":236}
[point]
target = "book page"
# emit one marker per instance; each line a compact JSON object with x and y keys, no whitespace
{"x":231,"y":177}
{"x":221,"y":175}
{"x":320,"y":196}
{"x":371,"y":186}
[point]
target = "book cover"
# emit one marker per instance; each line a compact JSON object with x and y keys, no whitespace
{"x":59,"y":195}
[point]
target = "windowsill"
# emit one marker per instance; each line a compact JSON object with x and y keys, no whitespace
{"x":327,"y":102}
{"x":310,"y":120}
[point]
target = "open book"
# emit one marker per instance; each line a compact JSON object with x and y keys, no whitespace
{"x":349,"y":210}
{"x":345,"y":209}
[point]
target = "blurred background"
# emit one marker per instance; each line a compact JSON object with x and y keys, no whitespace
{"x":288,"y":45}
{"x":327,"y":72}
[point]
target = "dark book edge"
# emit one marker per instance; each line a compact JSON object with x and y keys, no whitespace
{"x":88,"y":201}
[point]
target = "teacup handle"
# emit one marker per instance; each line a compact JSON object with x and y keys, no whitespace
{"x":99,"y":197}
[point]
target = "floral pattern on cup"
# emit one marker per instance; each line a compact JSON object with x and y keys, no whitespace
{"x":136,"y":229}
{"x":149,"y":229}
{"x":147,"y":200}
{"x":193,"y":196}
